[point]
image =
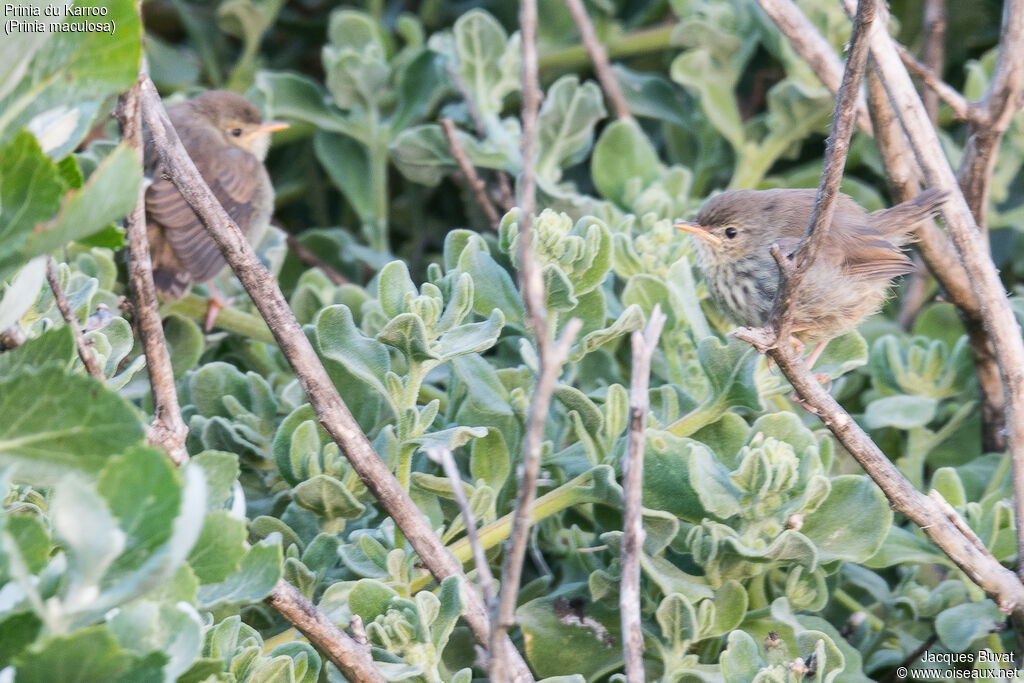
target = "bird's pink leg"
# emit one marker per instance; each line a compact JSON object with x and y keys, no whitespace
{"x":216,"y":303}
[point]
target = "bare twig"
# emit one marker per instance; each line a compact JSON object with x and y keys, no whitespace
{"x":793,"y":268}
{"x":643,"y":345}
{"x":934,"y":51}
{"x":478,"y":186}
{"x":979,"y":565}
{"x":351,"y":658}
{"x":444,"y":457}
{"x":552,"y":355}
{"x":84,"y":352}
{"x":599,"y":58}
{"x":910,"y":659}
{"x":1000,"y":103}
{"x":358,"y":631}
{"x":962,"y":108}
{"x":998,"y":317}
{"x":957,"y":520}
{"x":506,"y":200}
{"x":814,"y":48}
{"x":307,"y":256}
{"x":905,"y":179}
{"x":944,"y":263}
{"x":330,"y":409}
{"x":168,"y":429}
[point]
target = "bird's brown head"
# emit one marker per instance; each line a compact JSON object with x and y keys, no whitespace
{"x":729,"y":226}
{"x":237,"y":120}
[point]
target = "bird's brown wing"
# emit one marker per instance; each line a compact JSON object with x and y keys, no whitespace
{"x":866,"y":253}
{"x":232,"y":174}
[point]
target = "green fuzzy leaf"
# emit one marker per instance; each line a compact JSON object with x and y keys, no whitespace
{"x":45,"y":435}
{"x":901,"y":546}
{"x":710,"y":479}
{"x":623,"y":155}
{"x":629,"y":320}
{"x":492,"y":285}
{"x":852,"y":522}
{"x":108,"y":195}
{"x":31,"y":190}
{"x":471,"y":337}
{"x":30,"y":538}
{"x":699,"y":71}
{"x":902,"y":412}
{"x":327,"y":498}
{"x":407,"y":333}
{"x":565,"y":125}
{"x":566,"y":632}
{"x":142,"y":490}
{"x":678,"y":621}
{"x":422,"y":154}
{"x":489,"y":460}
{"x":306,"y":661}
{"x":220,"y":547}
{"x":17,"y":631}
{"x":55,"y":85}
{"x":959,"y":626}
{"x":355,"y":60}
{"x":740,"y":661}
{"x":370,"y":599}
{"x":221,"y":471}
{"x":55,"y":346}
{"x":347,"y":163}
{"x":667,"y":463}
{"x":652,"y":95}
{"x":418,"y":86}
{"x":146,"y":626}
{"x":394,"y":287}
{"x":184,"y":341}
{"x":724,"y":612}
{"x":487,"y":61}
{"x":258,"y":573}
{"x":90,"y":655}
{"x":297,"y":97}
{"x":341,"y":341}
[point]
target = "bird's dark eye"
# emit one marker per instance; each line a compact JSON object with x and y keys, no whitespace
{"x":731,"y":232}
{"x":237,"y":132}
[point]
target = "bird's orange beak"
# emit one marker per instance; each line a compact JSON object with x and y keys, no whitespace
{"x":698,"y":230}
{"x":271,"y":126}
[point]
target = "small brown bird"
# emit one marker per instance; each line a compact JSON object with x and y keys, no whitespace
{"x":228,"y":140}
{"x":848,"y":280}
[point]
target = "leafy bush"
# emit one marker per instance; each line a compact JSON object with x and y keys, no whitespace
{"x":765,"y":543}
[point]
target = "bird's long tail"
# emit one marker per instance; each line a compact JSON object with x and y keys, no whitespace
{"x":899,"y":222}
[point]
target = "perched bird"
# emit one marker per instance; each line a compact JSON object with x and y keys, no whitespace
{"x":848,"y":280}
{"x":228,"y":140}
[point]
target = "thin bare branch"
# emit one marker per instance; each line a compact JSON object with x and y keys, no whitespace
{"x":599,"y":58}
{"x":84,"y":352}
{"x":168,"y":429}
{"x":998,"y":317}
{"x":506,"y":200}
{"x":979,"y":565}
{"x":836,"y":149}
{"x":962,"y":108}
{"x":551,"y":355}
{"x":1001,"y":101}
{"x":643,"y":345}
{"x":933,"y":53}
{"x":443,"y":456}
{"x":807,"y":40}
{"x":330,"y":409}
{"x":307,"y":256}
{"x":478,"y":186}
{"x":351,"y":658}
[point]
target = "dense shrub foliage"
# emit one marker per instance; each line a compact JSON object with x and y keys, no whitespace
{"x":765,"y":542}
